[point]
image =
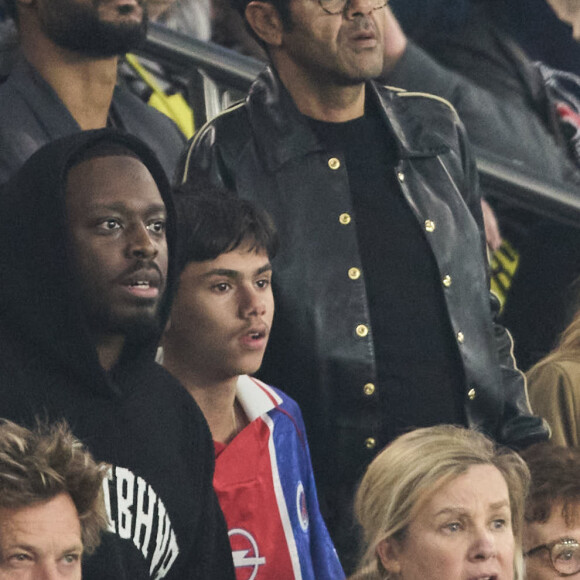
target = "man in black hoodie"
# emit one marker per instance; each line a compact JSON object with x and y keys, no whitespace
{"x":88,"y":275}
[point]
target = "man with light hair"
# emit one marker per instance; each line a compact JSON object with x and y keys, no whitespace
{"x":51,"y":502}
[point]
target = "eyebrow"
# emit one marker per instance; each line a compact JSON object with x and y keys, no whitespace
{"x":459,"y":509}
{"x":120,"y":206}
{"x":33,"y":549}
{"x":236,"y":273}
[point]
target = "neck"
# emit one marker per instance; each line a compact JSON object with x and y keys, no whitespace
{"x":84,"y":84}
{"x":321,"y":98}
{"x":216,"y":398}
{"x":109,"y":350}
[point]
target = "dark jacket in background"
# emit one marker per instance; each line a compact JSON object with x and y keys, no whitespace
{"x":166,"y":522}
{"x":522,"y":129}
{"x":31,"y":115}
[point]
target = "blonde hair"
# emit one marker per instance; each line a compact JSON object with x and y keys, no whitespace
{"x":418,"y":463}
{"x":38,"y":465}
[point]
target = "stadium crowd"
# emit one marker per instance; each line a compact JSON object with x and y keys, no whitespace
{"x":182,"y":304}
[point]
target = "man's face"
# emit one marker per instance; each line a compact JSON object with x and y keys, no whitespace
{"x":117,"y":227}
{"x":41,"y":541}
{"x":99,"y":28}
{"x":538,"y":564}
{"x":336,"y":49}
{"x":222,"y":315}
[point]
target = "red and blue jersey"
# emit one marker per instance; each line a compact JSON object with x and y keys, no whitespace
{"x":265,"y":486}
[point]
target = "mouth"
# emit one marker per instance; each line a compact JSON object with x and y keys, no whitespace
{"x":484,"y":577}
{"x":255,"y":338}
{"x":143,"y":283}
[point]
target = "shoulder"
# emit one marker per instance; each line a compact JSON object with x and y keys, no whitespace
{"x":229,"y":129}
{"x":553,"y":375}
{"x":273,"y":398}
{"x":131,"y":108}
{"x":425,"y":124}
{"x":422,"y":103}
{"x":160,"y":390}
{"x":219,"y":143}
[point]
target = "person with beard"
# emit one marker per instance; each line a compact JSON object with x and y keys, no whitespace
{"x":89,"y":251}
{"x":65,"y":79}
{"x":384,"y":318}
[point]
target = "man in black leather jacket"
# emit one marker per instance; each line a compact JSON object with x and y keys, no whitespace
{"x":384,"y":320}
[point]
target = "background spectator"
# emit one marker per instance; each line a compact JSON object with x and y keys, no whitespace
{"x":552,"y":518}
{"x":442,"y":503}
{"x":52,"y":509}
{"x":554,"y":387}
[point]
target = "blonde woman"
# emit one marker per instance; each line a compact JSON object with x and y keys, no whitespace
{"x":554,"y":387}
{"x":442,"y":503}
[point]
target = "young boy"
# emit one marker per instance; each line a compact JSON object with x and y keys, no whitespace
{"x":219,"y":329}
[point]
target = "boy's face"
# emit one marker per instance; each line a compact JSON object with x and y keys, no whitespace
{"x":222,"y":315}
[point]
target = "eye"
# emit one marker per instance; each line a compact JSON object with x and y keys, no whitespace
{"x":157,"y":226}
{"x":19,"y":559}
{"x":110,"y":224}
{"x":71,"y":558}
{"x":453,"y":527}
{"x":263,"y":283}
{"x":221,"y":287}
{"x":499,"y":524}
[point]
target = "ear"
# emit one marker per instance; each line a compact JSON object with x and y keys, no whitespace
{"x":265,"y":22}
{"x":388,"y":551}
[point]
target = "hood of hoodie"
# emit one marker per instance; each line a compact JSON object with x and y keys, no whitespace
{"x":41,"y":314}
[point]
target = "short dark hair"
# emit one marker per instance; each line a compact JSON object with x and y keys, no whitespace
{"x":555,"y":475}
{"x":213,"y":221}
{"x":38,"y":465}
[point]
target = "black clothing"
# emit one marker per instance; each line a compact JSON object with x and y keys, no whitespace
{"x":32,"y":114}
{"x":407,"y":311}
{"x":165,"y":520}
{"x":525,"y":128}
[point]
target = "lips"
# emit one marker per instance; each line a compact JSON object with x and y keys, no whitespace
{"x":365,"y":35}
{"x":143,"y":283}
{"x":255,"y":337}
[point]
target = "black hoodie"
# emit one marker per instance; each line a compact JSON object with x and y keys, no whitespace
{"x":166,"y":522}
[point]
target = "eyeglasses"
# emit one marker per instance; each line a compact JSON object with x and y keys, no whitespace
{"x":564,"y":555}
{"x":338,"y":6}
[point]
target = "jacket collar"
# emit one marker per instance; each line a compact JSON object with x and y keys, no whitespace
{"x":282,"y":133}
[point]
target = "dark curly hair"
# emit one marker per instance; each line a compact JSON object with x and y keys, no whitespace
{"x":555,"y":475}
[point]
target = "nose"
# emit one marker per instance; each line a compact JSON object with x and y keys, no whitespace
{"x":48,"y":571}
{"x":252,"y":303}
{"x":359,"y":8}
{"x":483,"y":545}
{"x":140,"y":244}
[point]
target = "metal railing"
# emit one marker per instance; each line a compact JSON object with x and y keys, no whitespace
{"x":232,"y":70}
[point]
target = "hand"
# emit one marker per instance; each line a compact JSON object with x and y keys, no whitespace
{"x":492,"y":233}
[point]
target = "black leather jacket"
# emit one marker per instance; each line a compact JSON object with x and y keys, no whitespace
{"x":321,"y":350}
